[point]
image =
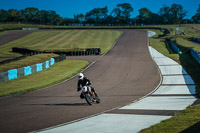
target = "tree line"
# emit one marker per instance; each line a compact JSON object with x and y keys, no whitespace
{"x":120,"y":15}
{"x":30,"y":15}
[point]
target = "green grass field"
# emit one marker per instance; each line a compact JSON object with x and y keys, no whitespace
{"x":63,"y":70}
{"x":3,"y":33}
{"x":63,"y":40}
{"x":186,"y":121}
{"x":188,"y":44}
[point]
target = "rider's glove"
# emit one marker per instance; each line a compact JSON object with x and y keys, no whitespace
{"x":88,"y":83}
{"x":78,"y":89}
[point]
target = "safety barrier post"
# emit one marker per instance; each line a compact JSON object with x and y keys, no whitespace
{"x":195,"y":55}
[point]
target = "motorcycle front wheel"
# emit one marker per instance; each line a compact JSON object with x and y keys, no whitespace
{"x":88,"y":99}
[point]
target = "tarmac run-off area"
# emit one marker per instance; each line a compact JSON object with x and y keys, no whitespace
{"x":175,"y":93}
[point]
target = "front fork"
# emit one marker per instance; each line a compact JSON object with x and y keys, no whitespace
{"x":92,"y":91}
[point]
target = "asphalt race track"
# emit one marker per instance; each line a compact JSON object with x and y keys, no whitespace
{"x":13,"y":35}
{"x":126,"y":73}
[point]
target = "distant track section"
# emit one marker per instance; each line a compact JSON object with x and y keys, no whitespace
{"x":13,"y":35}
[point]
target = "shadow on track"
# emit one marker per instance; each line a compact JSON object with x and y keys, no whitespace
{"x":60,"y":104}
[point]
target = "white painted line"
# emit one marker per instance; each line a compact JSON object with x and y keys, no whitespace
{"x":177,"y":80}
{"x":172,"y":70}
{"x":163,"y":90}
{"x":110,"y":123}
{"x":163,"y":103}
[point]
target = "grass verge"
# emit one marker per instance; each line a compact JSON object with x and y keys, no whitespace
{"x":3,"y":33}
{"x":27,"y":61}
{"x":62,"y":70}
{"x":186,"y":121}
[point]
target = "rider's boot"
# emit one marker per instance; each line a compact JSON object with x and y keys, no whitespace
{"x":93,"y":94}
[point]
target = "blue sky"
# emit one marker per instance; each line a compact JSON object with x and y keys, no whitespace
{"x":66,"y":8}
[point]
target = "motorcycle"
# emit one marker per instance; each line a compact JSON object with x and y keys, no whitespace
{"x":90,"y":95}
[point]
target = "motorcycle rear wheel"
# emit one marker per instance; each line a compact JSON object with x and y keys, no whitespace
{"x":98,"y":100}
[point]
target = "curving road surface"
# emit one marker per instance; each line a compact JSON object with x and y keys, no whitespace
{"x":126,"y":73}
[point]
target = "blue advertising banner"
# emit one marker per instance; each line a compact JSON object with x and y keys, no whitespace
{"x":52,"y":61}
{"x":27,"y":70}
{"x":39,"y":67}
{"x":12,"y":74}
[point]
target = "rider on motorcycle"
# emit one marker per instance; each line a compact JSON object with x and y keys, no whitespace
{"x":83,"y":81}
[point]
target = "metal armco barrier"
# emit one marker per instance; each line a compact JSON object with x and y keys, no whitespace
{"x":195,"y":55}
{"x":196,"y":39}
{"x":174,"y":47}
{"x":30,"y":28}
{"x":16,"y":73}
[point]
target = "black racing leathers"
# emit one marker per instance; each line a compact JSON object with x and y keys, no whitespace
{"x":83,"y":82}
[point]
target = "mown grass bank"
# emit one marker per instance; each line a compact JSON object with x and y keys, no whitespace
{"x":3,"y":33}
{"x":62,"y":70}
{"x":63,"y":40}
{"x":186,"y":121}
{"x":27,"y":61}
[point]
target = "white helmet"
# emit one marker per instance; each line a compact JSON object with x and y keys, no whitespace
{"x":80,"y":76}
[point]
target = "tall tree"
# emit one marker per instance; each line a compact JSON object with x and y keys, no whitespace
{"x":165,"y":14}
{"x":147,"y":17}
{"x":54,"y":18}
{"x":30,"y":14}
{"x":196,"y":17}
{"x":144,"y":15}
{"x":178,"y":13}
{"x":173,"y":14}
{"x":3,"y":15}
{"x":21,"y":16}
{"x":126,"y":10}
{"x":97,"y":15}
{"x":81,"y":17}
{"x":116,"y":13}
{"x":42,"y":17}
{"x":12,"y":14}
